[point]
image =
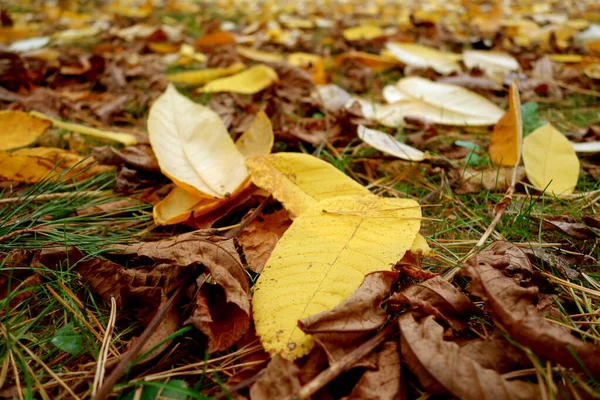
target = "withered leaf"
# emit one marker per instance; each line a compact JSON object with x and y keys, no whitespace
{"x":437,"y":297}
{"x":339,"y":330}
{"x":280,"y":381}
{"x":512,"y":307}
{"x":441,"y":368}
{"x":565,"y":224}
{"x":140,"y":157}
{"x":567,"y":264}
{"x":495,"y":353}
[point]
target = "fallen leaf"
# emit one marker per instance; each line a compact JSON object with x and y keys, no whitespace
{"x":299,"y":180}
{"x":417,"y":55}
{"x":550,"y":161}
{"x":592,"y":71}
{"x":346,"y":326}
{"x":439,"y":298}
{"x":495,"y":180}
{"x":258,"y":55}
{"x":202,"y":76}
{"x":193,"y":147}
{"x":250,"y":81}
{"x":495,"y":64}
{"x":441,"y":368}
{"x":20,"y":129}
{"x":507,"y":138}
{"x":258,"y":139}
{"x":565,"y":224}
{"x":333,"y":97}
{"x":212,"y":40}
{"x":495,"y":353}
{"x":389,"y":145}
{"x":31,"y":165}
{"x":362,"y":32}
{"x":260,"y":236}
{"x":512,"y":307}
{"x":140,"y":157}
{"x":280,"y":381}
{"x":376,"y":62}
{"x":322,"y":259}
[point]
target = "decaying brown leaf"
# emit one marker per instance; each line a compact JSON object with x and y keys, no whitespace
{"x":441,"y":368}
{"x":565,"y":224}
{"x":511,"y":306}
{"x":140,"y":157}
{"x":495,"y":353}
{"x":493,"y":179}
{"x":279,"y":381}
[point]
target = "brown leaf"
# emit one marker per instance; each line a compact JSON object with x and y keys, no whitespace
{"x":512,"y":307}
{"x":140,"y":157}
{"x":279,"y":381}
{"x":260,"y":236}
{"x":437,"y":297}
{"x":112,"y":207}
{"x":339,"y":330}
{"x":496,"y":353}
{"x":254,"y":361}
{"x":384,"y":383}
{"x":441,"y":368}
{"x":565,"y":224}
{"x":567,"y":264}
{"x":493,"y":179}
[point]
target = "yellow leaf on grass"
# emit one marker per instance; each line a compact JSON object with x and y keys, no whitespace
{"x":20,"y":129}
{"x":299,"y":180}
{"x":179,"y":205}
{"x":388,"y":144}
{"x":507,"y":138}
{"x":200,"y":77}
{"x":250,"y":81}
{"x":422,"y":56}
{"x":366,"y":32}
{"x":193,"y":146}
{"x":550,"y":161}
{"x":322,"y":259}
{"x":258,"y":55}
{"x":420,"y":246}
{"x":31,"y":165}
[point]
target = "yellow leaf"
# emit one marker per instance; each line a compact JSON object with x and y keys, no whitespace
{"x":566,"y":58}
{"x":258,"y":139}
{"x":507,"y":138}
{"x":31,"y":165}
{"x":200,"y":77}
{"x":299,"y":180}
{"x":250,"y":81}
{"x":366,"y":32}
{"x":592,"y":71}
{"x":422,"y":56}
{"x":377,"y":63}
{"x":550,"y":161}
{"x":303,"y":59}
{"x":177,"y":207}
{"x":20,"y":129}
{"x":258,"y":55}
{"x":193,"y":146}
{"x":389,"y":145}
{"x":322,"y":259}
{"x":125,"y":138}
{"x":420,"y":246}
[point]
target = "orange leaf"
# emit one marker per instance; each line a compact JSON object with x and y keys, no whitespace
{"x":507,"y":139}
{"x":214,"y":40}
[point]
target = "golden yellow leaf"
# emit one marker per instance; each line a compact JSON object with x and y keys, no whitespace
{"x":202,"y":76}
{"x":420,"y":246}
{"x":250,"y":81}
{"x":214,"y":39}
{"x":258,"y":55}
{"x":422,"y":56}
{"x":322,"y":259}
{"x":507,"y":138}
{"x":366,"y":32}
{"x":592,"y":71}
{"x":377,"y":63}
{"x":258,"y":139}
{"x":177,"y":207}
{"x":299,"y":180}
{"x":193,"y":146}
{"x":550,"y":161}
{"x":163,"y":47}
{"x":20,"y":129}
{"x":31,"y":165}
{"x":566,"y":58}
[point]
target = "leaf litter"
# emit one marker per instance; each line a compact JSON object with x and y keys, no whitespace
{"x":253,"y":257}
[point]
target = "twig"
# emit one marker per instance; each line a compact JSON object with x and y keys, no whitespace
{"x":233,"y":232}
{"x":24,"y":231}
{"x":52,"y":196}
{"x":131,"y":355}
{"x":103,"y":355}
{"x":343,"y":364}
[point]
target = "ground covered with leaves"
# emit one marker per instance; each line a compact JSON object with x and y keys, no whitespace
{"x":357,"y":200}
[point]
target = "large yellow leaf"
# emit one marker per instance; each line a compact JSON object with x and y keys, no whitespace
{"x":299,"y":180}
{"x":507,"y":137}
{"x":550,"y":161}
{"x":422,"y":56}
{"x":20,"y":129}
{"x":202,"y":76}
{"x":250,"y":81}
{"x":193,"y":147}
{"x":322,"y":259}
{"x":179,"y":205}
{"x":31,"y":165}
{"x":366,"y":32}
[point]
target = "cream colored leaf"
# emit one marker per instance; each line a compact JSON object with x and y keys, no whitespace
{"x":202,"y":76}
{"x":365,"y":32}
{"x":586,"y":147}
{"x":258,"y":139}
{"x":388,"y":144}
{"x":20,"y":129}
{"x":250,"y":81}
{"x":193,"y":147}
{"x":422,"y":56}
{"x":258,"y":55}
{"x":550,"y":161}
{"x":493,"y":63}
{"x":322,"y":259}
{"x":392,"y":94}
{"x":299,"y":180}
{"x":333,"y":97}
{"x":177,"y":207}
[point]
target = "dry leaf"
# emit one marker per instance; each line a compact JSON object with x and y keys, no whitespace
{"x":322,"y":259}
{"x":550,"y":161}
{"x":215,"y":39}
{"x":280,"y":381}
{"x":299,"y":180}
{"x":364,"y":32}
{"x":193,"y":147}
{"x":418,"y":55}
{"x":495,"y":353}
{"x":202,"y":76}
{"x":140,"y":157}
{"x":260,"y":56}
{"x":250,"y":81}
{"x":20,"y":129}
{"x":507,"y":138}
{"x":441,"y":367}
{"x":565,"y":224}
{"x":495,"y":180}
{"x":388,"y":144}
{"x":377,"y":63}
{"x":495,"y":64}
{"x":258,"y":139}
